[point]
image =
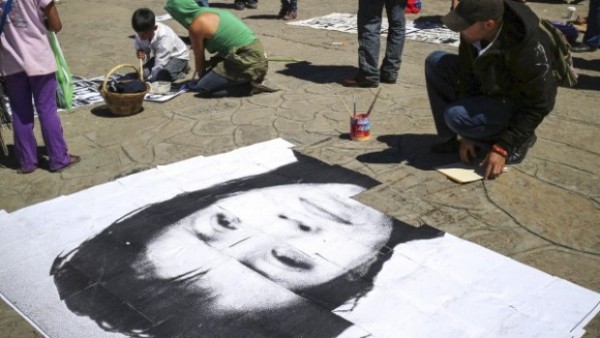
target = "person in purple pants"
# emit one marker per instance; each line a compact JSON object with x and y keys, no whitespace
{"x":27,"y":63}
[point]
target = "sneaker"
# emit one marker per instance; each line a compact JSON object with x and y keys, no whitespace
{"x":519,"y":155}
{"x":355,"y":82}
{"x":252,"y":4}
{"x":447,"y":146}
{"x":239,"y":4}
{"x":581,"y":47}
{"x":385,"y":78}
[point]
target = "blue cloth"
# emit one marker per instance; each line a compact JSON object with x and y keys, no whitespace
{"x":369,"y":38}
{"x":215,"y":85}
{"x":592,"y":35}
{"x":478,"y":118}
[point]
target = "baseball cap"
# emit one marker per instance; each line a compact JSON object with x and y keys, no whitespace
{"x":467,"y":12}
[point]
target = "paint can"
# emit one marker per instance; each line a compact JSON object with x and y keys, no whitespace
{"x":360,"y":127}
{"x":571,"y":13}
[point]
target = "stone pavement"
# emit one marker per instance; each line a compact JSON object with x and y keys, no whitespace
{"x":544,"y":212}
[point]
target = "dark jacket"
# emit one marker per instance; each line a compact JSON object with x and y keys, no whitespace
{"x":518,"y":67}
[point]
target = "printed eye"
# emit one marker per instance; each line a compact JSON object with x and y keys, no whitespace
{"x":227,"y":222}
{"x":302,"y":226}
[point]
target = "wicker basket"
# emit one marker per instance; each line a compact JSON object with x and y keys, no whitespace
{"x":123,"y":104}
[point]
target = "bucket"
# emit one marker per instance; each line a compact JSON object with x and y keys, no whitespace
{"x":360,"y":127}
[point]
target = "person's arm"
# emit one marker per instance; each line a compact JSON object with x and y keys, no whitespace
{"x":53,"y":22}
{"x":203,"y":27}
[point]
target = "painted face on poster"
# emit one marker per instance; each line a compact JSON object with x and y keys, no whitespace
{"x":298,"y":236}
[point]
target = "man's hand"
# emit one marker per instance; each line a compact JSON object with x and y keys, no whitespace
{"x":140,"y":54}
{"x":494,"y":164}
{"x":467,"y":151}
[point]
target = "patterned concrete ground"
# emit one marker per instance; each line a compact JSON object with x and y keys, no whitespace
{"x":544,"y":212}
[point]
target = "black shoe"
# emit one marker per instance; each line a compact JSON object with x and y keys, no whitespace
{"x":387,"y":78}
{"x":581,"y":47}
{"x":252,"y":4}
{"x":283,"y":10}
{"x":239,"y":4}
{"x":519,"y":155}
{"x":448,"y":146}
{"x":355,"y":82}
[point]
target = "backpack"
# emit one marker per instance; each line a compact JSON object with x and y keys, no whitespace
{"x":563,"y":70}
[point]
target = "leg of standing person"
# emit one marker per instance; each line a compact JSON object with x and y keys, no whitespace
{"x":43,"y":88}
{"x":369,"y":39}
{"x":285,"y":8}
{"x":292,"y":12}
{"x":395,"y":41}
{"x":19,"y":95}
{"x":591,"y":38}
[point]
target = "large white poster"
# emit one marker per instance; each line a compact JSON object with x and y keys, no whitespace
{"x":263,"y":242}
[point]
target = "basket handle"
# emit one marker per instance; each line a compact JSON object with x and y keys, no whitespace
{"x":141,"y":70}
{"x":115,"y":69}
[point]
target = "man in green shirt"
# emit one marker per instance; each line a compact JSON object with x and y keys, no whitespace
{"x":238,"y":58}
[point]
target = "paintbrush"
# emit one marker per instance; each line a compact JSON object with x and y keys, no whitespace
{"x":373,"y":103}
{"x":345,"y":105}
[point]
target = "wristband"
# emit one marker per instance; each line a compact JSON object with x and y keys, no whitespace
{"x":499,"y":150}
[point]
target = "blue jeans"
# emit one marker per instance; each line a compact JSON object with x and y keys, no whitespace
{"x":203,"y":3}
{"x":215,"y":85}
{"x":478,"y":118}
{"x":172,"y":71}
{"x":592,"y":35}
{"x":291,"y":5}
{"x":369,"y":37}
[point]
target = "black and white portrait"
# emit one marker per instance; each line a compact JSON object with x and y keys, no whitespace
{"x":263,"y":242}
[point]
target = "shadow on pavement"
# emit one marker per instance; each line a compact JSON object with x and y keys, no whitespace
{"x":588,"y":82}
{"x":11,"y":162}
{"x":410,"y":148}
{"x":318,"y":73}
{"x":263,"y":17}
{"x":103,"y":111}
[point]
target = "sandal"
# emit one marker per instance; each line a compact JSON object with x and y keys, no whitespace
{"x":22,"y":171}
{"x":74,"y":159}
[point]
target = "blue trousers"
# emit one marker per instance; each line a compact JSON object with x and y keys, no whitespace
{"x":478,"y":118}
{"x":215,"y":85}
{"x":592,"y":35}
{"x":369,"y":38}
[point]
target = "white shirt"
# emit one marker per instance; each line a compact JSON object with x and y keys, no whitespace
{"x":165,"y":45}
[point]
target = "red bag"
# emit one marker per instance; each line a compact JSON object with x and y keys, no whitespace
{"x":413,"y":6}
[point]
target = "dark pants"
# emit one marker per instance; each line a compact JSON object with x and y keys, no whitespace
{"x":215,"y":85}
{"x":21,"y":88}
{"x":478,"y":118}
{"x":290,"y":5}
{"x":592,"y":35}
{"x":369,"y":38}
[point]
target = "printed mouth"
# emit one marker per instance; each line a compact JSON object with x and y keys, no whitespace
{"x":293,"y":258}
